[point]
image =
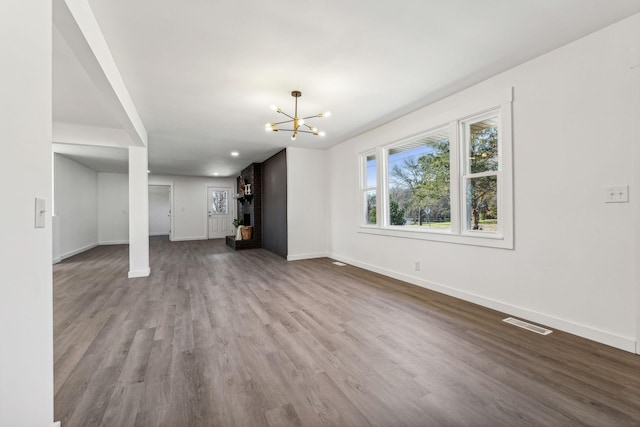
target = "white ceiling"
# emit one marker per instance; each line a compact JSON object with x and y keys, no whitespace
{"x":202,"y":74}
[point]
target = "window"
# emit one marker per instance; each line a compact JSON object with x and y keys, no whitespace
{"x":450,"y":184}
{"x":419,"y":182}
{"x":220,"y":203}
{"x":480,"y":176}
{"x":369,"y":185}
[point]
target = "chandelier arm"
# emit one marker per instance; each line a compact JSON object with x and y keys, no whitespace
{"x":286,"y":121}
{"x":282,"y":112}
{"x":297,"y":131}
{"x":315,"y":116}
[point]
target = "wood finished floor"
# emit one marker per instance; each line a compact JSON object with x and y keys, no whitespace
{"x":221,"y":338}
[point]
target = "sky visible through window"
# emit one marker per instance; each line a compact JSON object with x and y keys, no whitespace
{"x":371,"y":172}
{"x":397,"y":159}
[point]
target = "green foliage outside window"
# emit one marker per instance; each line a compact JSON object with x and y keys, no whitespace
{"x":396,"y":216}
{"x":421,"y":183}
{"x":482,"y":191}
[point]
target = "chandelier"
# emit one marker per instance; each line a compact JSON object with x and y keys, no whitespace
{"x":299,"y":123}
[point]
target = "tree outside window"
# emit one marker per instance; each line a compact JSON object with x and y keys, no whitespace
{"x":481,"y":179}
{"x":419,"y":182}
{"x":370,"y":188}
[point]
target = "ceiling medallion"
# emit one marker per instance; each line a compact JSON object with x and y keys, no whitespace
{"x":299,"y":123}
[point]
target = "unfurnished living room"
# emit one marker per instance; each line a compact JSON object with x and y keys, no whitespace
{"x":289,"y":213}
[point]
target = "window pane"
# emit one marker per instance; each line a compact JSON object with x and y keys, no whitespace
{"x":371,"y":172}
{"x":483,"y":146}
{"x":220,"y":205}
{"x":482,"y":209}
{"x":419,"y":180}
{"x":370,"y":210}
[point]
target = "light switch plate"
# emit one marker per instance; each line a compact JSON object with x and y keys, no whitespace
{"x":616,"y":194}
{"x":40,"y":213}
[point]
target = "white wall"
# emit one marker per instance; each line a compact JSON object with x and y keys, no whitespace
{"x":190,"y":218}
{"x":113,"y":208}
{"x":572,"y":267}
{"x":307,"y":208}
{"x":26,"y":318}
{"x":107,"y":205}
{"x":159,"y":207}
{"x":76,"y":208}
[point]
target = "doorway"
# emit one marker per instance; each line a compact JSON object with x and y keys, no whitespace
{"x":160,"y":211}
{"x":219,"y":212}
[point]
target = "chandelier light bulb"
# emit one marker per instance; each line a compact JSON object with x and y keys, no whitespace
{"x":326,"y":114}
{"x":321,"y":133}
{"x":275,"y":108}
{"x":300,"y":121}
{"x":293,"y":137}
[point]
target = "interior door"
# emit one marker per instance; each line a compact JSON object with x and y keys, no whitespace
{"x":218,"y":206}
{"x":159,"y":210}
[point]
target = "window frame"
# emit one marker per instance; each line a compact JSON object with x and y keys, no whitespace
{"x":465,"y":173}
{"x":503,"y":237}
{"x":385,"y":171}
{"x":364,"y":189}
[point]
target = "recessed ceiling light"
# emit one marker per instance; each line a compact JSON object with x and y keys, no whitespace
{"x":235,"y":153}
{"x":215,"y":174}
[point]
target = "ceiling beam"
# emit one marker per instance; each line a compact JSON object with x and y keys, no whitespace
{"x":71,"y":133}
{"x":76,"y":23}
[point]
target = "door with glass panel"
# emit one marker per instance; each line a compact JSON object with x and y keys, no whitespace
{"x":219,"y":211}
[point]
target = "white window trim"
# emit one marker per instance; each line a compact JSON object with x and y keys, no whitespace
{"x":364,"y":189}
{"x":503,"y":238}
{"x":464,"y":164}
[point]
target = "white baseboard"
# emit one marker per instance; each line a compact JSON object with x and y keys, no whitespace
{"x":56,"y":424}
{"x":115,"y":242}
{"x":590,"y":333}
{"x":307,"y":256}
{"x":185,"y":239}
{"x":139,"y":273}
{"x":73,"y":252}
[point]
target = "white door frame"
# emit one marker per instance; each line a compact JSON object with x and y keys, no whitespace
{"x":635,"y":185}
{"x":171,"y":207}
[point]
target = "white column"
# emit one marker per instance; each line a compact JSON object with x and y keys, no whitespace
{"x":26,"y":294}
{"x":138,"y":213}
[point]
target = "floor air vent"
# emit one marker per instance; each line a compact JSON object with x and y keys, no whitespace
{"x":339,"y":264}
{"x":528,"y":326}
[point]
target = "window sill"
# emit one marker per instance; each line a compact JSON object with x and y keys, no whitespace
{"x":492,"y":240}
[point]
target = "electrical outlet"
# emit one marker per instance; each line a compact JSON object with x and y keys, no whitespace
{"x":616,"y":194}
{"x":417,"y":267}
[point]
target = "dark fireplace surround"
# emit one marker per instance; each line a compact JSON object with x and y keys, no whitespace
{"x":249,"y":208}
